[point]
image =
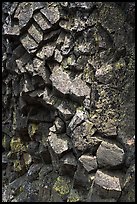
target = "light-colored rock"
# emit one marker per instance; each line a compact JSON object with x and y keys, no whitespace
{"x":59,"y":144}
{"x":41,"y":21}
{"x":106,"y":186}
{"x":109,"y":155}
{"x":89,"y":162}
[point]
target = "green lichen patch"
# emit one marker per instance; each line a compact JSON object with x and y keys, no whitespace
{"x":27,"y":159}
{"x":17,"y":145}
{"x":32,"y":129}
{"x":62,"y":185}
{"x":74,"y":196}
{"x":18,"y":167}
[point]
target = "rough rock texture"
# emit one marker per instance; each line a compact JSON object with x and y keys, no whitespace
{"x":68,"y":101}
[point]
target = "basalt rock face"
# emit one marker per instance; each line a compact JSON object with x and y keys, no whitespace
{"x":68,"y":102}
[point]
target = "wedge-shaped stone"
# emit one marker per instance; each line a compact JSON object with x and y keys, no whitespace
{"x":36,"y":33}
{"x":64,"y":84}
{"x":109,"y":155}
{"x":46,"y":51}
{"x":29,"y":44}
{"x":88,"y":162}
{"x":51,"y":13}
{"x":41,"y":21}
{"x":106,"y":185}
{"x":59,"y":144}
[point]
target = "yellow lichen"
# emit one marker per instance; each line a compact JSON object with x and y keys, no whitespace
{"x":27,"y":159}
{"x":17,"y":145}
{"x":32,"y":129}
{"x":17,"y":166}
{"x":62,"y":185}
{"x":73,"y":196}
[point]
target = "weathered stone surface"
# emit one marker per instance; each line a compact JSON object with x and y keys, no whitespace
{"x":128,"y":193}
{"x":58,"y":57}
{"x":60,"y":125}
{"x":36,"y":33}
{"x":109,"y":155}
{"x":41,"y":21}
{"x":24,"y":13}
{"x":63,"y":83}
{"x":88,"y":162}
{"x":62,"y":186}
{"x":104,"y":74}
{"x":81,"y":179}
{"x":74,"y":196}
{"x":29,"y":44}
{"x":33,"y":171}
{"x":78,"y":118}
{"x":11,"y":30}
{"x":82,"y":137}
{"x":46,"y":51}
{"x":68,"y":164}
{"x":51,"y":12}
{"x":59,"y":143}
{"x":106,"y":186}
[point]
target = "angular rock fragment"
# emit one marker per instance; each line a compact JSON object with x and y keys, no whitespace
{"x":46,"y":51}
{"x":88,"y":162}
{"x":78,"y":118}
{"x":106,"y":186}
{"x":33,"y":171}
{"x":62,"y":187}
{"x":67,"y":45}
{"x":68,"y":164}
{"x":51,"y":13}
{"x":60,"y":125}
{"x":52,"y":34}
{"x":41,"y":21}
{"x":59,"y":143}
{"x":82,"y":138}
{"x":11,"y":29}
{"x":104,"y":74}
{"x":24,"y":13}
{"x":64,"y":84}
{"x":74,"y":195}
{"x":29,"y":44}
{"x":109,"y":155}
{"x":58,"y":57}
{"x":36,"y":33}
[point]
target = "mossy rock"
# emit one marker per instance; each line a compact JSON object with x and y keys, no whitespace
{"x":74,"y":196}
{"x":17,"y":145}
{"x":62,"y":186}
{"x":32,"y":129}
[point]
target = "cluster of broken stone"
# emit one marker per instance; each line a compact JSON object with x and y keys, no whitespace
{"x":63,"y":148}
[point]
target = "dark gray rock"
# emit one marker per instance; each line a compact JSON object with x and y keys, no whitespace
{"x":88,"y":162}
{"x":68,"y":164}
{"x":33,"y":171}
{"x":82,"y":138}
{"x":78,"y":118}
{"x":60,"y":125}
{"x":109,"y":155}
{"x":81,"y":179}
{"x":128,"y":192}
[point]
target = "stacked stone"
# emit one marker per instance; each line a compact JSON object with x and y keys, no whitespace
{"x":68,"y":102}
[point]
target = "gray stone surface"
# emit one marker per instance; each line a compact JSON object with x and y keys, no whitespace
{"x":109,"y":155}
{"x":88,"y":162}
{"x":106,"y":186}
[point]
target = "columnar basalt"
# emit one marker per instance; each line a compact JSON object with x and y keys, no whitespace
{"x":68,"y":102}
